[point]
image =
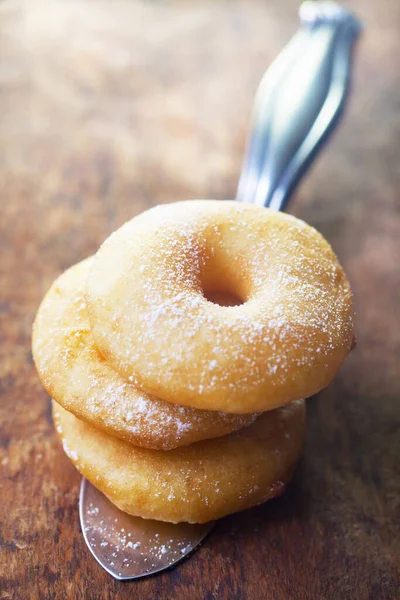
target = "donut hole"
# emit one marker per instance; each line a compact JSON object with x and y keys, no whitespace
{"x":222,"y":298}
{"x":222,"y":282}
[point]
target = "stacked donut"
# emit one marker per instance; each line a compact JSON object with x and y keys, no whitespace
{"x":177,"y":357}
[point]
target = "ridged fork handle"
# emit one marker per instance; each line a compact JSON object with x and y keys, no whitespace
{"x":297,"y":104}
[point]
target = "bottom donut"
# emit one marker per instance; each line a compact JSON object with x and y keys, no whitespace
{"x":197,"y":483}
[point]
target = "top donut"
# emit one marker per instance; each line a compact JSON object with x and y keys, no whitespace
{"x":148,"y":296}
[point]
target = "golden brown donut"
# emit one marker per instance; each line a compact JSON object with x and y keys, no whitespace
{"x":150,"y":316}
{"x":197,"y":483}
{"x":80,"y":379}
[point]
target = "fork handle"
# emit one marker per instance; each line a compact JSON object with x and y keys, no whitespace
{"x":298,"y":104}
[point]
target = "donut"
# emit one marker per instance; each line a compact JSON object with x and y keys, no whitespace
{"x":197,"y":483}
{"x":150,"y":316}
{"x":76,"y":375}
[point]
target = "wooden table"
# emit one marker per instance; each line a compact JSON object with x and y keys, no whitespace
{"x":109,"y":108}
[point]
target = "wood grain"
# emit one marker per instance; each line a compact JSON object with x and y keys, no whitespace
{"x":109,"y":108}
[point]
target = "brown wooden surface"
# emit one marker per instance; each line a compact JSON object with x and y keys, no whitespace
{"x":107,"y":108}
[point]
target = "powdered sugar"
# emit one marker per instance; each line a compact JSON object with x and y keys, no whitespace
{"x":81,"y":380}
{"x":297,"y":317}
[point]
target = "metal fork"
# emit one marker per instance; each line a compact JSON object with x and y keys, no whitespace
{"x":297,"y":106}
